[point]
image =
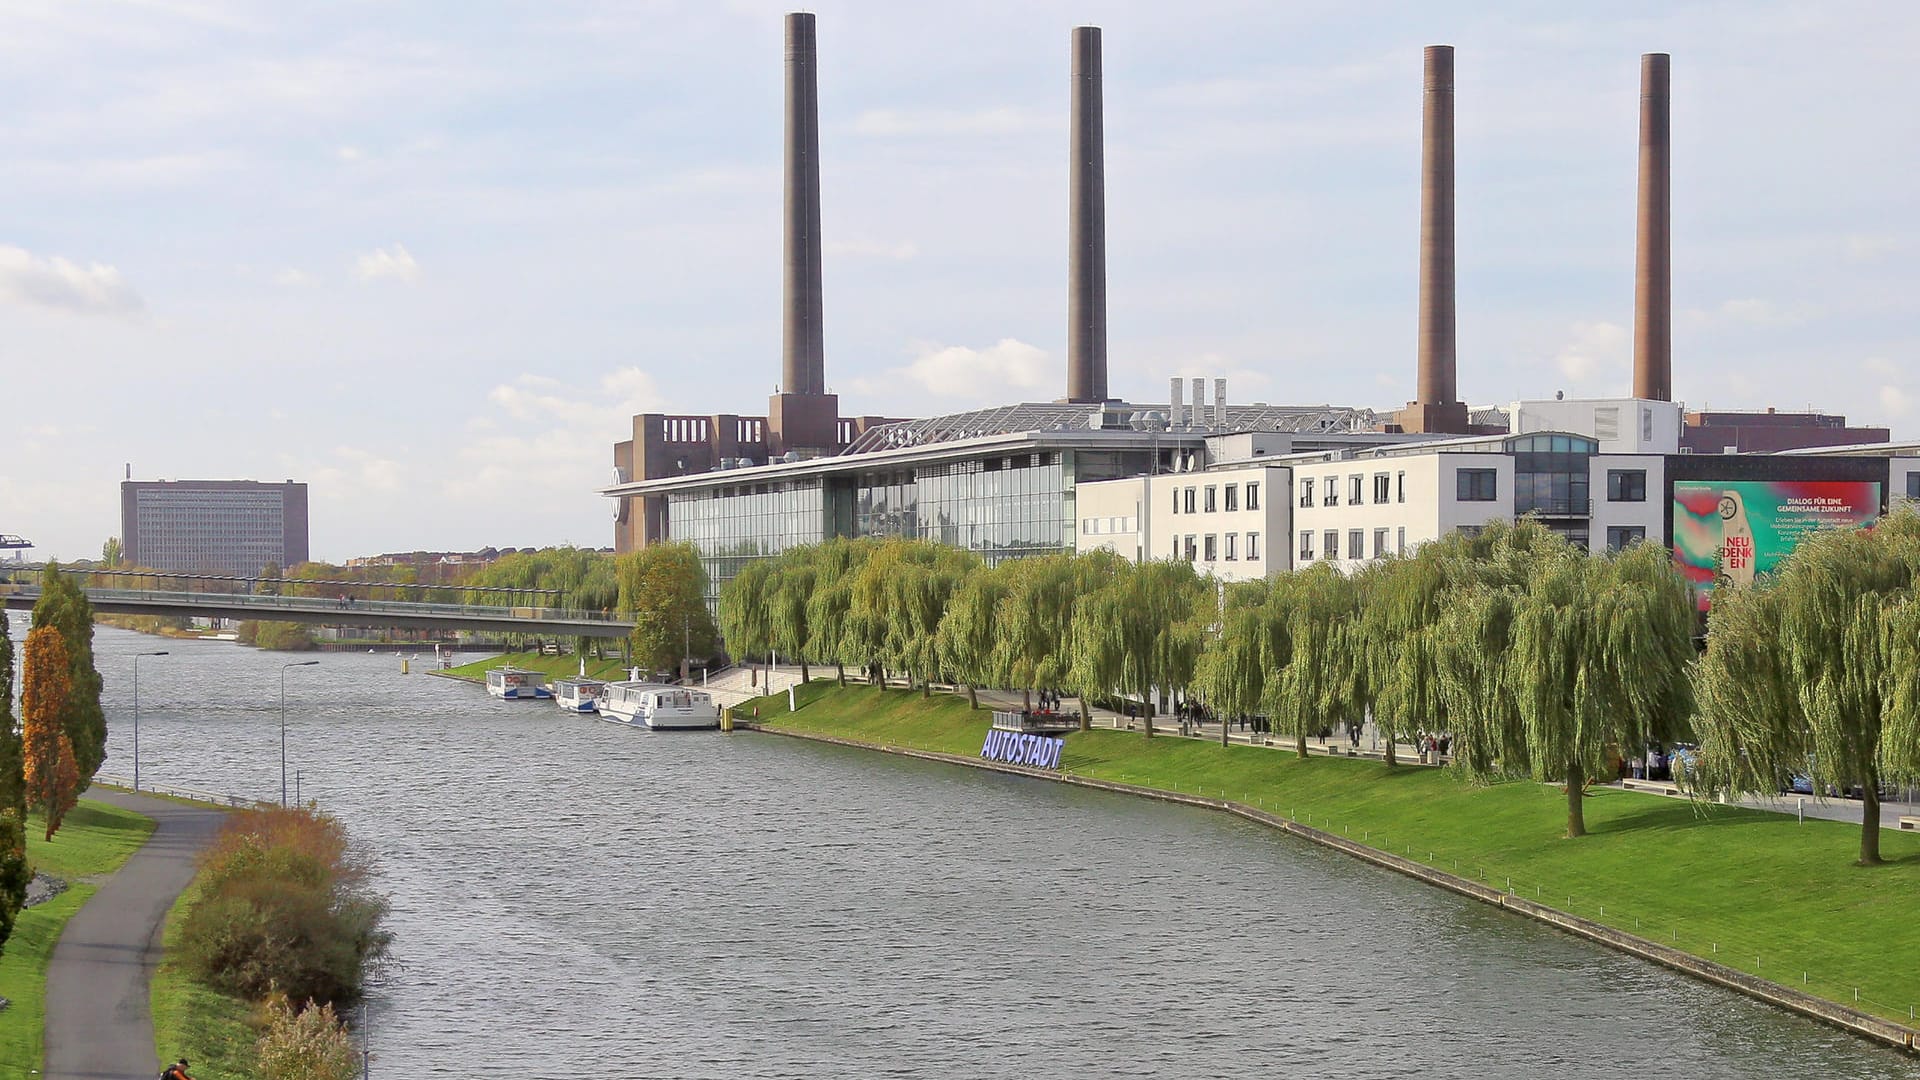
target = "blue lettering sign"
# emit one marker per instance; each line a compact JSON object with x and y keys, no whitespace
{"x":1017,"y":748}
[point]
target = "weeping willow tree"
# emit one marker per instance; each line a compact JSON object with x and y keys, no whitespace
{"x":1812,"y":671}
{"x":788,"y":592}
{"x":1311,"y":652}
{"x":965,"y":639}
{"x":1557,"y":659}
{"x":919,"y":587}
{"x":1229,"y":672}
{"x":1399,"y":633}
{"x":744,"y":621}
{"x":836,"y":563}
{"x":1140,"y":632}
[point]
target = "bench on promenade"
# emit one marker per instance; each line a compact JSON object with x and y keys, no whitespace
{"x":1909,"y":821}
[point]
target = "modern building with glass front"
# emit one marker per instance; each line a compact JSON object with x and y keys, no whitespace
{"x":998,"y":482}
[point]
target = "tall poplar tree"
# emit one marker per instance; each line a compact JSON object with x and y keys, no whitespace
{"x":52,"y":778}
{"x":64,"y":607}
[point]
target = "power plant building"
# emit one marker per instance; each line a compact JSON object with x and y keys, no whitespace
{"x":1241,"y":490}
{"x":231,"y":528}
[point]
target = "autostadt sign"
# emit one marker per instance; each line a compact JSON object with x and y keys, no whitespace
{"x":1018,"y":748}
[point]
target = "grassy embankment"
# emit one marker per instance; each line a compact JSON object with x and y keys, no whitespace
{"x":93,"y":841}
{"x":558,"y":667}
{"x":217,"y":1031}
{"x":1754,"y":890}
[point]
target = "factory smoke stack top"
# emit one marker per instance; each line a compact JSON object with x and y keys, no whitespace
{"x":803,"y":416}
{"x":1436,"y":406}
{"x":1087,"y":228}
{"x":1653,"y":276}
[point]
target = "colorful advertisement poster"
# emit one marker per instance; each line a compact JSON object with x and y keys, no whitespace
{"x":1735,"y":530}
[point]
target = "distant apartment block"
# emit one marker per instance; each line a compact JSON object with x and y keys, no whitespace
{"x":229,"y":527}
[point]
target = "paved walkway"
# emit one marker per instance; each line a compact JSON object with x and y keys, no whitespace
{"x":99,"y":1026}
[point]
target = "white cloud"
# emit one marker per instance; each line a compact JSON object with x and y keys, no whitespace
{"x":1895,"y":400}
{"x":1880,"y":365}
{"x":57,"y":283}
{"x":1595,"y":350}
{"x":293,"y":278}
{"x":352,"y":477}
{"x":957,"y":372}
{"x":897,"y":123}
{"x":394,"y":262}
{"x":556,"y":435}
{"x":350,"y":153}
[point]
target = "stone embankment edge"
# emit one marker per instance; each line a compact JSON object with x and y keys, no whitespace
{"x":1859,"y":1023}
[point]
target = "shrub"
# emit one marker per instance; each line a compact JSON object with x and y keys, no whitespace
{"x":308,"y":1044}
{"x":285,"y":905}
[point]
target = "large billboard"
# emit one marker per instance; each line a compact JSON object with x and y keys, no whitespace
{"x":1734,"y":530}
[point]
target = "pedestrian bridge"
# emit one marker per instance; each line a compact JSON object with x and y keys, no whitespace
{"x":553,"y":622}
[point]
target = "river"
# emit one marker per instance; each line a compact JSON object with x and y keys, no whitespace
{"x":574,"y":899}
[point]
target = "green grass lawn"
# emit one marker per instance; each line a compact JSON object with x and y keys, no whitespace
{"x":212,"y":1029}
{"x":93,"y":840}
{"x":1754,"y":890}
{"x":555,"y":666}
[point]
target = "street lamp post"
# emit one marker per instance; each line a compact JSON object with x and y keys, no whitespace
{"x":283,"y":723}
{"x":136,"y":714}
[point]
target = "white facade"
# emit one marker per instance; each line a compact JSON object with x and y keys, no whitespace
{"x":1620,"y":425}
{"x":1225,"y":521}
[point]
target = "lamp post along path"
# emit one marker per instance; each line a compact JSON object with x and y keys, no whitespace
{"x":136,"y":713}
{"x":283,"y":723}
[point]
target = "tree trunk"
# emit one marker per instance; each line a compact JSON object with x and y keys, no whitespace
{"x":1300,"y":743}
{"x":1576,"y":813}
{"x":1086,"y":718}
{"x":973,"y":699}
{"x":1026,"y":698}
{"x":926,"y":687}
{"x":805,"y":676}
{"x":1870,"y":822}
{"x":1148,"y":712}
{"x":1393,"y":738}
{"x":1223,"y":730}
{"x":840,"y":672}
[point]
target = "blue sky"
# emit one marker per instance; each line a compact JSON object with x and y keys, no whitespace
{"x":429,"y":257}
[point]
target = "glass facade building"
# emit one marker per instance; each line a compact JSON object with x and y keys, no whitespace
{"x":1000,"y":505}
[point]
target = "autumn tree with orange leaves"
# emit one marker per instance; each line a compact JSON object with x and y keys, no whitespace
{"x":53,"y":777}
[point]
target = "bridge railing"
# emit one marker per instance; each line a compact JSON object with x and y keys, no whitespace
{"x":347,"y":607}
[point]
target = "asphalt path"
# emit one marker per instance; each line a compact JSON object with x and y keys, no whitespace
{"x":99,"y":1026}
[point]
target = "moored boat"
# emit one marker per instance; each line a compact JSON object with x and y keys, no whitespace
{"x":578,"y":694}
{"x":517,"y":684}
{"x":658,"y":706}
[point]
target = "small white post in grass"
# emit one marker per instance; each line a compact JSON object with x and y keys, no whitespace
{"x":791,"y":707}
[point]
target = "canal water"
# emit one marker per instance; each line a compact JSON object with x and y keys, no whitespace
{"x":574,"y":899}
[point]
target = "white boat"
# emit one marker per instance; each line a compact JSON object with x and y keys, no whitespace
{"x":578,"y":694}
{"x":659,"y":706}
{"x":517,"y":684}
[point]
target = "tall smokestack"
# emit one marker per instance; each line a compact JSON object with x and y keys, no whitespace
{"x":1436,"y":406}
{"x":1200,"y":404}
{"x":1220,"y":405}
{"x":1176,"y":402}
{"x":1087,"y":228}
{"x":1653,"y":271}
{"x":803,"y":367}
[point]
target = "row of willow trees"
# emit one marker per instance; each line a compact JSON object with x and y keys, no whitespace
{"x":1540,"y":659}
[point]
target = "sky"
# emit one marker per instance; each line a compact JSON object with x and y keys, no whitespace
{"x":429,"y":258}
